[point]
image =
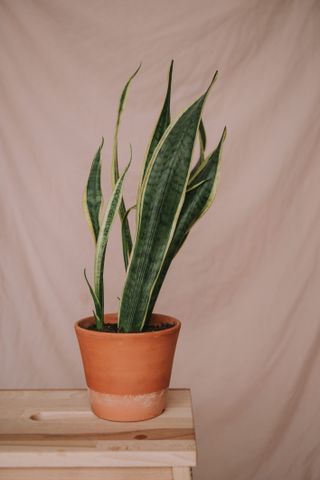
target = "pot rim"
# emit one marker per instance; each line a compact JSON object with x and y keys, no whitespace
{"x":166,"y":331}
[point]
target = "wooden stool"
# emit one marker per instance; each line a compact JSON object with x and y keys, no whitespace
{"x":53,"y":435}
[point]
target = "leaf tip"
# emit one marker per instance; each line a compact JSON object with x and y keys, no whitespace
{"x":139,"y":66}
{"x":85,"y":275}
{"x":224,"y":134}
{"x":214,"y":78}
{"x":169,"y":81}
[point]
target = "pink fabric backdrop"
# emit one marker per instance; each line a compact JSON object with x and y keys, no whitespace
{"x":246,"y":284}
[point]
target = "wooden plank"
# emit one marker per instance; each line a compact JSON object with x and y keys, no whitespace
{"x":56,"y":428}
{"x":120,"y":456}
{"x":182,"y":473}
{"x":86,"y":474}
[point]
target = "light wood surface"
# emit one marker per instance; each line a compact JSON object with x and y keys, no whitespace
{"x":52,"y":434}
{"x":149,"y":473}
{"x":111,"y":473}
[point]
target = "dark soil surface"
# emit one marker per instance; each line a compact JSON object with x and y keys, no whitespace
{"x":113,"y":327}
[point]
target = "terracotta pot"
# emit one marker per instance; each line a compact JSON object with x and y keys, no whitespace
{"x":128,"y":374}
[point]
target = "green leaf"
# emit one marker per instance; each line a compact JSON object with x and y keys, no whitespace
{"x":202,"y":133}
{"x":200,"y":163}
{"x":123,"y":224}
{"x":108,"y":219}
{"x":196,"y":185}
{"x":161,"y":126}
{"x":162,"y":123}
{"x":209,"y":173}
{"x":98,"y":312}
{"x":162,"y":197}
{"x":92,"y":196}
{"x":98,"y":321}
{"x":198,"y":200}
{"x":126,"y":235}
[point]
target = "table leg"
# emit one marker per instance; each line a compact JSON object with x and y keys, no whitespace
{"x":181,"y":473}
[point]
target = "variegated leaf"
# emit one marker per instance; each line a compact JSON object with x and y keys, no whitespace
{"x":162,"y":197}
{"x":126,"y":234}
{"x":161,"y":126}
{"x":92,"y":196}
{"x":98,"y":312}
{"x":197,"y":201}
{"x":200,"y":163}
{"x":108,"y":219}
{"x":123,"y":224}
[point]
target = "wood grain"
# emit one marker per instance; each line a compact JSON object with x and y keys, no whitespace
{"x":55,"y":428}
{"x":87,"y":474}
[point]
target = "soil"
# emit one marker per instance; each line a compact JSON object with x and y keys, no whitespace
{"x":113,"y":327}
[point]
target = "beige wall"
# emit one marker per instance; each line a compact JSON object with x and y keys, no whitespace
{"x":246,"y":284}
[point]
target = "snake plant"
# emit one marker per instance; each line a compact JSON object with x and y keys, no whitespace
{"x":171,"y":197}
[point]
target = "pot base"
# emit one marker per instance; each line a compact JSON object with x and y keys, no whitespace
{"x":127,"y":408}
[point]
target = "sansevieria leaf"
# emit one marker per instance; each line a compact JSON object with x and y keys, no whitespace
{"x":200,"y":163}
{"x":197,"y":201}
{"x":126,"y":235}
{"x":161,"y":126}
{"x":98,"y":312}
{"x":108,"y":219}
{"x":162,"y":123}
{"x":202,"y":131}
{"x":92,"y":196}
{"x":162,"y":197}
{"x":123,"y":223}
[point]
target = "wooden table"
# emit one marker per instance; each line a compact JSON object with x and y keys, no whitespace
{"x":53,"y":435}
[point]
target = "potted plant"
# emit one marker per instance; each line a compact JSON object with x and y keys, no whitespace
{"x":127,"y":356}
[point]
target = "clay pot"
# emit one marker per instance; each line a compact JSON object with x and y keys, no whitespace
{"x":127,"y":374}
